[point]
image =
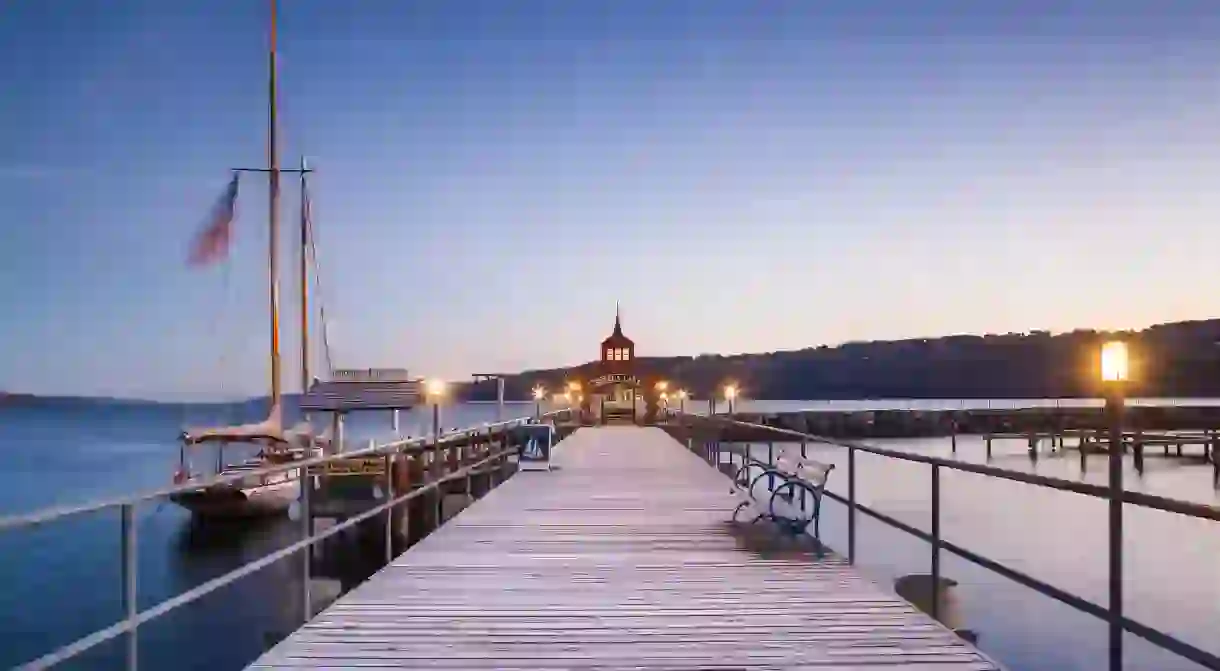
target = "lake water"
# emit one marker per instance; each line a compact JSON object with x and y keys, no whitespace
{"x":61,"y":581}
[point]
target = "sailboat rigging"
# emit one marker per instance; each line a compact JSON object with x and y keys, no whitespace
{"x":272,"y":494}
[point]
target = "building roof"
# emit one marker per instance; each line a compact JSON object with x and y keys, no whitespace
{"x":385,"y":389}
{"x":617,"y":339}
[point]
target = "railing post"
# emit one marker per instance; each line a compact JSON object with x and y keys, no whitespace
{"x":771,"y":463}
{"x":306,"y":554}
{"x":472,"y":455}
{"x":389,"y":512}
{"x":1115,"y":406}
{"x":851,"y":505}
{"x":438,"y":470}
{"x":804,"y":443}
{"x":131,"y":606}
{"x":936,"y":541}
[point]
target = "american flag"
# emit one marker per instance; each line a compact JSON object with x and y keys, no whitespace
{"x":212,"y":242}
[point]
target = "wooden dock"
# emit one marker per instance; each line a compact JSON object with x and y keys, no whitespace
{"x":621,"y":558}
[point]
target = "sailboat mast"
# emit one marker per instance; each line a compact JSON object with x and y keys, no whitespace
{"x":273,"y":179}
{"x":304,"y":279}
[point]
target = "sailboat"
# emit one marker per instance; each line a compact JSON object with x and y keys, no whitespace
{"x":270,"y":494}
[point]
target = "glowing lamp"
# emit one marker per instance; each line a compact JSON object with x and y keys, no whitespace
{"x":1114,"y":362}
{"x":435,"y":388}
{"x":539,"y":392}
{"x":730,"y":392}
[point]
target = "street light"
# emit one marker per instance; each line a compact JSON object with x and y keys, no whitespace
{"x":539,"y":392}
{"x":1115,"y":372}
{"x":682,"y":401}
{"x":436,"y":393}
{"x":730,"y":395}
{"x":662,"y":385}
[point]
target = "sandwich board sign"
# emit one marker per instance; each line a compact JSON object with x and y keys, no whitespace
{"x":535,"y":441}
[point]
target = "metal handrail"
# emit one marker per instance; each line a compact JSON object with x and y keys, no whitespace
{"x":396,"y":447}
{"x":1112,"y":615}
{"x":135,"y":617}
{"x":1188,"y":508}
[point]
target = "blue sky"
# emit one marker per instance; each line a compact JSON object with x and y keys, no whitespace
{"x":493,"y":176}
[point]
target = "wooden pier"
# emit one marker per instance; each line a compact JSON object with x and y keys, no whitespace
{"x":622,"y":557}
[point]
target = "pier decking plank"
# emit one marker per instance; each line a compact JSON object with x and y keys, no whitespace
{"x":623,"y":558}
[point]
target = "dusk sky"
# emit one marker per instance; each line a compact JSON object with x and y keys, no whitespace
{"x":493,"y":176}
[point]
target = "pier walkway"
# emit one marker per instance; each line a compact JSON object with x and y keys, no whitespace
{"x":622,"y":557}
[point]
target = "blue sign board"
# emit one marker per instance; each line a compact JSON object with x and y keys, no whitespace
{"x":535,"y":441}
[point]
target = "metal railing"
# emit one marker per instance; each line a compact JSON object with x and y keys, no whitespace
{"x":133,"y":617}
{"x":1112,"y":613}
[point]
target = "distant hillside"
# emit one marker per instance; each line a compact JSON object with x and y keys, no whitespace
{"x":1178,"y":359}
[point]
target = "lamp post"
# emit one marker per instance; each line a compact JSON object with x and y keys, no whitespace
{"x":682,"y":401}
{"x":730,"y":395}
{"x":436,"y":394}
{"x":539,"y":392}
{"x":1114,"y":376}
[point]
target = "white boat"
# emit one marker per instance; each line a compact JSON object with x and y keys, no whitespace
{"x":256,"y":495}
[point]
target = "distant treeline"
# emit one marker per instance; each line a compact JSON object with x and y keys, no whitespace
{"x":1180,"y":359}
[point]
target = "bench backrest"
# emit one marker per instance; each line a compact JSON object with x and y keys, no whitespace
{"x":814,"y":472}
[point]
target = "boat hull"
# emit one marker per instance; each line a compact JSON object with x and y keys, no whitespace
{"x":222,"y":502}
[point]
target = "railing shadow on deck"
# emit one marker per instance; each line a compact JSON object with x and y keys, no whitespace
{"x":490,"y":446}
{"x":708,"y":431}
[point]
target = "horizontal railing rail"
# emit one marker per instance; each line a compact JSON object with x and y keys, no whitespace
{"x":1112,"y":614}
{"x":134,"y":617}
{"x":398,"y":447}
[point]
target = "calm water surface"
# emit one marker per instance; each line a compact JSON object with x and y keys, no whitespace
{"x":60,"y":582}
{"x":1171,"y":562}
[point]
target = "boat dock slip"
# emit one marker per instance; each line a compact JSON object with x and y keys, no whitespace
{"x":622,"y":557}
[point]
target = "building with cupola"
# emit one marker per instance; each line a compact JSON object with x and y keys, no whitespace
{"x":613,"y":391}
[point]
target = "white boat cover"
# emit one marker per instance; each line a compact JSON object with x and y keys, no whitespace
{"x":269,"y":430}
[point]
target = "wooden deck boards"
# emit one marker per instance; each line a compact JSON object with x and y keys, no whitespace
{"x":621,"y":559}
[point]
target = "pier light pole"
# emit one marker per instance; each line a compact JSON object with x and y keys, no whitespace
{"x":436,"y":394}
{"x":1114,"y":377}
{"x":575,"y":398}
{"x":682,"y":401}
{"x":662,"y":394}
{"x":730,"y":395}
{"x":539,"y":392}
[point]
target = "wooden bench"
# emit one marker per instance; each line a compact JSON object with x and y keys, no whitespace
{"x":796,"y":475}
